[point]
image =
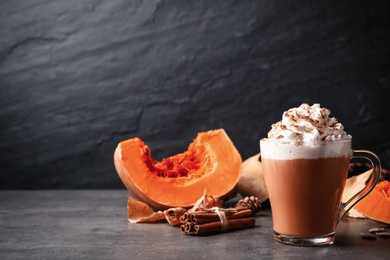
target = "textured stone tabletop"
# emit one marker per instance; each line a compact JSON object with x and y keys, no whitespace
{"x":92,"y":224}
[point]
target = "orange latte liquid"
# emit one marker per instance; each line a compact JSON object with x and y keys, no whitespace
{"x":305,"y":194}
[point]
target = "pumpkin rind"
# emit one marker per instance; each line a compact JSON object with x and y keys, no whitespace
{"x":376,"y":205}
{"x":218,"y":173}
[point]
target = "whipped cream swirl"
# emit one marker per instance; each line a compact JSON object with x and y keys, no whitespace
{"x":307,"y":125}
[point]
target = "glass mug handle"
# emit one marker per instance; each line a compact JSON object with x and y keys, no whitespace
{"x":376,"y":172}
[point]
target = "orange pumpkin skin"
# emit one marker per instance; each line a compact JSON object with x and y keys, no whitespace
{"x":211,"y":165}
{"x":376,"y":205}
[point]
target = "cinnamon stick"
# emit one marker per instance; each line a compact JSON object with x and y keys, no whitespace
{"x":184,"y":217}
{"x":216,"y":226}
{"x":206,"y":217}
{"x":216,"y":219}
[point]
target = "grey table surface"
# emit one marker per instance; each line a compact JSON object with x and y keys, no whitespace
{"x":92,"y":224}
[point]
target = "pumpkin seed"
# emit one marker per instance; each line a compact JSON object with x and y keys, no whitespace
{"x":367,"y":236}
{"x":383,"y":234}
{"x":374,"y":230}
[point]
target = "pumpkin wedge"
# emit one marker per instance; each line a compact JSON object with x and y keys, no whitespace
{"x":376,"y":205}
{"x":211,"y":164}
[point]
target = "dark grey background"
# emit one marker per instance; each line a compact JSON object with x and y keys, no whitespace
{"x":79,"y":76}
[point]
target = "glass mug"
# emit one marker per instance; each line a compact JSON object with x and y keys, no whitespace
{"x":305,"y":186}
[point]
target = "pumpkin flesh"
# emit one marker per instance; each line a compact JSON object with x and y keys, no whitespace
{"x":211,"y":164}
{"x":376,"y":205}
